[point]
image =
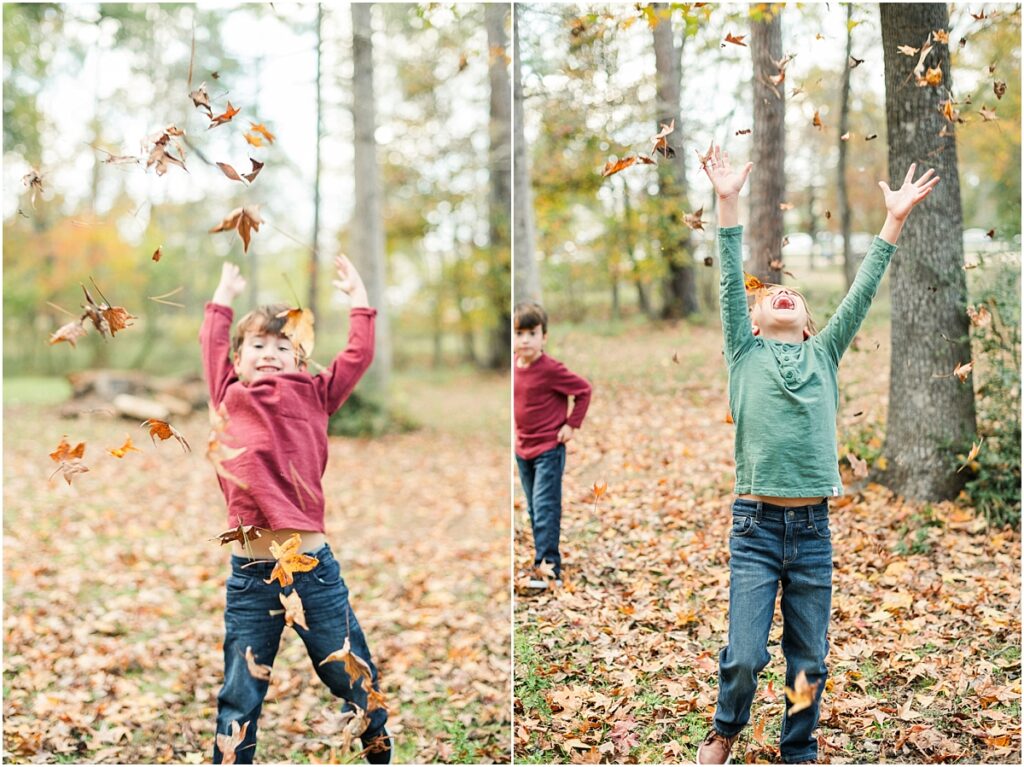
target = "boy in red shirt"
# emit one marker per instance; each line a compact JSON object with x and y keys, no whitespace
{"x":278,"y":413}
{"x":544,"y":425}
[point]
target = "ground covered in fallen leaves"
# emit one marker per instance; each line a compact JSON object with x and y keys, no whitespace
{"x":621,"y":664}
{"x":114,"y":596}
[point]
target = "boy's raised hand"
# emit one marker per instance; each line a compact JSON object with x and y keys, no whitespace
{"x":231,"y":284}
{"x":727,"y":180}
{"x":349,"y":282}
{"x":900,"y":202}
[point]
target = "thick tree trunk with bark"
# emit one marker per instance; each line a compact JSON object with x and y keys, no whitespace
{"x":678,"y":289}
{"x":526,"y":277}
{"x":768,"y":180}
{"x":368,"y":228}
{"x":931,"y":414}
{"x":845,"y":218}
{"x":499,"y":166}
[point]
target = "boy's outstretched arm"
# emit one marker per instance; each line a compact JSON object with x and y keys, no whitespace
{"x":733,"y":296}
{"x":348,"y":367}
{"x":215,"y":333}
{"x":845,"y":323}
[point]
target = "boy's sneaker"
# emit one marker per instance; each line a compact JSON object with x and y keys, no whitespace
{"x":378,"y":748}
{"x":716,"y":749}
{"x":539,"y":583}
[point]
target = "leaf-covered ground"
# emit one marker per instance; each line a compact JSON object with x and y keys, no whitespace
{"x":114,"y":595}
{"x":621,"y":664}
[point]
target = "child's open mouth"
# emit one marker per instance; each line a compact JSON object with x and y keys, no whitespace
{"x":783,"y":302}
{"x":267,"y":369}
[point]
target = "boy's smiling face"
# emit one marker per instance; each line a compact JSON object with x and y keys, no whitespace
{"x":265,"y":354}
{"x":781,"y":312}
{"x":530,"y":343}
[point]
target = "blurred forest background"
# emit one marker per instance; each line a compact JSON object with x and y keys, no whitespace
{"x":84,"y":83}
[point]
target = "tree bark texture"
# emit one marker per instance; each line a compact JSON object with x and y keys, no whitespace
{"x":367,"y":227}
{"x":526,"y":285}
{"x":678,"y":289}
{"x":499,"y":166}
{"x":931,"y":414}
{"x":768,"y":179}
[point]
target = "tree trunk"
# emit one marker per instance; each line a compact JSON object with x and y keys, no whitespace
{"x":678,"y":288}
{"x":931,"y":414}
{"x":495,"y":15}
{"x":641,"y":295}
{"x":314,"y":255}
{"x":768,"y":181}
{"x":845,"y":217}
{"x":367,"y":228}
{"x":526,"y":284}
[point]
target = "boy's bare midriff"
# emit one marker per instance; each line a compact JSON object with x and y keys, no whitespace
{"x":782,"y":501}
{"x":311,"y":541}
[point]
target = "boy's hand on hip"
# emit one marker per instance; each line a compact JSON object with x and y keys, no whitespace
{"x":565,"y":433}
{"x":900,"y":202}
{"x":349,"y":282}
{"x":231,"y":284}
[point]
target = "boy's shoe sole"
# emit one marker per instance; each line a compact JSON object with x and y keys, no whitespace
{"x":537,"y":583}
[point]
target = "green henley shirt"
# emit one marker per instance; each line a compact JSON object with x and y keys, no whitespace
{"x":784,"y":397}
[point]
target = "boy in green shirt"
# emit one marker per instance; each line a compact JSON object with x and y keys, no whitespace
{"x":783,"y":394}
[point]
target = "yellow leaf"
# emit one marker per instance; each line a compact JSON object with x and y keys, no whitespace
{"x":289,"y":561}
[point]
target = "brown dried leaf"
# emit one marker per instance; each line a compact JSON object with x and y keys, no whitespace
{"x":692,"y":220}
{"x":164,"y":430}
{"x":987,"y":115}
{"x":298,"y":329}
{"x":223,"y":118}
{"x":256,"y":168}
{"x":229,"y":171}
{"x":70,"y":333}
{"x":228,"y":743}
{"x":356,"y":668}
{"x":293,"y":610}
{"x":802,"y":694}
{"x":244,"y":221}
{"x":242,"y":534}
{"x":614,"y":166}
{"x":33,"y":180}
{"x":661,"y":141}
{"x":962,"y":371}
{"x":999,"y":88}
{"x":735,"y":39}
{"x":201,"y":99}
{"x":259,"y":671}
{"x":859,"y":465}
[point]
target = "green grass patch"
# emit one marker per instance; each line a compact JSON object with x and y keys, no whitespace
{"x":36,"y":390}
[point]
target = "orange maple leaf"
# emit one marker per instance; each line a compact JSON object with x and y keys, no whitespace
{"x":802,"y":694}
{"x":228,"y":743}
{"x":735,"y":39}
{"x":356,"y":668}
{"x":289,"y":560}
{"x":65,"y":452}
{"x":752,"y":284}
{"x":253,"y":140}
{"x":261,"y":128}
{"x":120,"y":452}
{"x":294,"y":613}
{"x":614,"y":166}
{"x":244,"y":220}
{"x":223,"y":118}
{"x":298,"y":328}
{"x":164,"y":430}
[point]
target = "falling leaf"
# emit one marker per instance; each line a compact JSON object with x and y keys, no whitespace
{"x":242,"y":534}
{"x":743,"y":132}
{"x":708,"y":261}
{"x":975,"y":449}
{"x":261,"y":129}
{"x":999,"y":88}
{"x":987,"y":115}
{"x":645,"y":160}
{"x":244,"y":220}
{"x":159,"y":154}
{"x":728,"y":417}
{"x":661,"y":141}
{"x":859,"y":465}
{"x":828,"y":214}
{"x":872,"y":137}
{"x":70,"y":333}
{"x":980,"y":317}
{"x":256,"y":670}
{"x":355,"y":727}
{"x":223,"y":118}
{"x":735,"y":39}
{"x":356,"y":668}
{"x":816,"y":122}
{"x":34,"y":181}
{"x":228,"y":743}
{"x":845,"y":136}
{"x":375,"y":699}
{"x":851,"y":24}
{"x":293,"y":610}
{"x":253,"y":139}
{"x":785,"y":206}
{"x":614,"y":166}
{"x":201,"y":99}
{"x":256,"y":168}
{"x":599,"y":490}
{"x":68,"y":469}
{"x":776,"y":264}
{"x":164,"y":430}
{"x":289,"y":560}
{"x":298,"y":329}
{"x":802,"y":696}
{"x":692,"y":220}
{"x":941,"y":36}
{"x":907,"y":50}
{"x":961,"y":371}
{"x":120,"y":452}
{"x":855,"y":62}
{"x":65,"y":452}
{"x":991,"y":234}
{"x":979,"y":16}
{"x":158,"y":253}
{"x":704,"y":158}
{"x":932,"y":76}
{"x":229,"y":171}
{"x":752,"y":284}
{"x":216,"y":451}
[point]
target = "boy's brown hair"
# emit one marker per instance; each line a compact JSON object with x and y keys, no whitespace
{"x":529,"y":314}
{"x":262,"y":320}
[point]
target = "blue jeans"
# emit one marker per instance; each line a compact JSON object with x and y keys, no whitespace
{"x":542,"y":484}
{"x":770,"y":545}
{"x":248,"y":623}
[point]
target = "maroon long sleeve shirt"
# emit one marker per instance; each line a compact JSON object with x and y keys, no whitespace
{"x":541,"y":398}
{"x":281,"y":421}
